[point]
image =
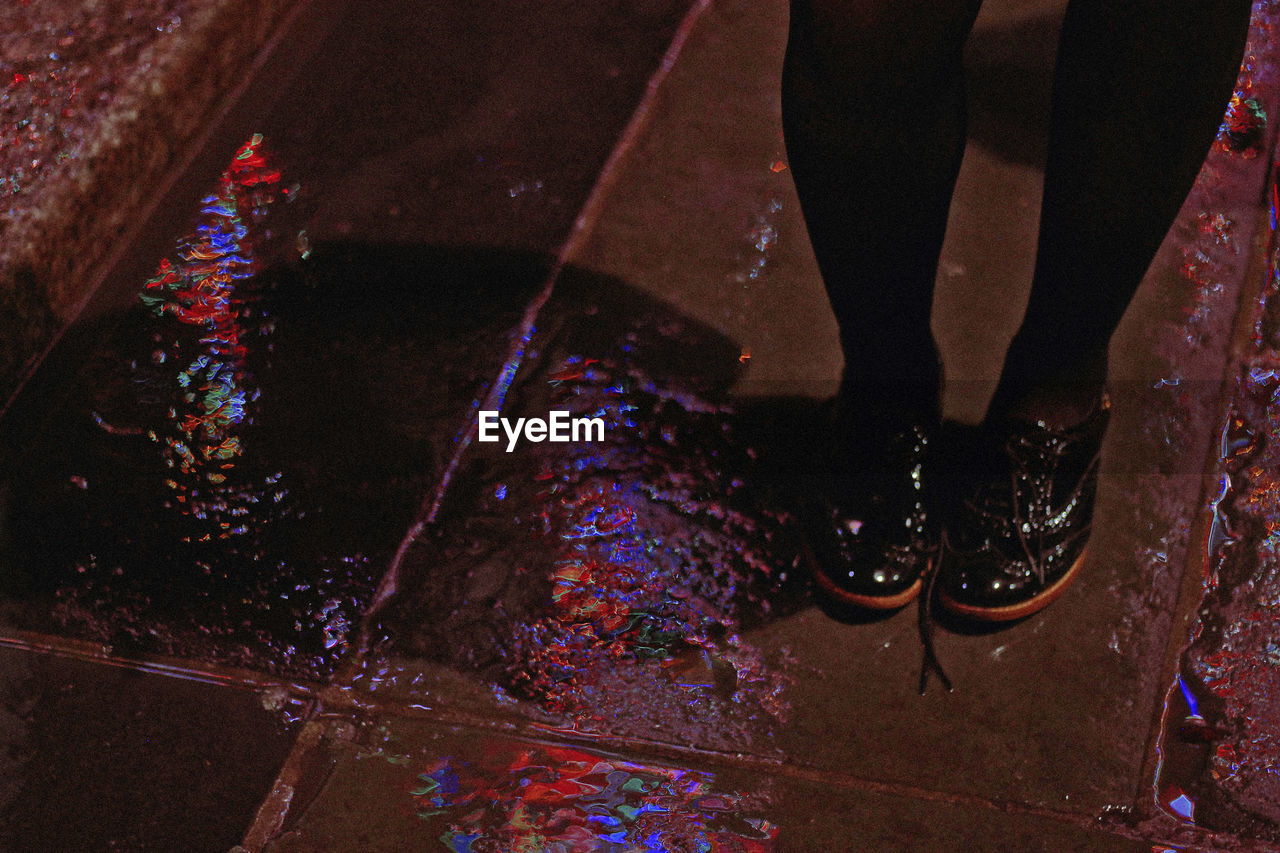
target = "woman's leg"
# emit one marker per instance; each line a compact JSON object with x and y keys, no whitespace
{"x":1140,"y":90}
{"x":873,"y":112}
{"x":1139,"y":93}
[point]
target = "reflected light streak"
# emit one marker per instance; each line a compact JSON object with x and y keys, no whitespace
{"x":558,"y":800}
{"x":203,"y":294}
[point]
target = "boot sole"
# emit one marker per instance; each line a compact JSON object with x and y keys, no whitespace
{"x":1021,"y":610}
{"x":871,"y":602}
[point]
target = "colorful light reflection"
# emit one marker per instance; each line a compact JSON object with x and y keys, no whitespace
{"x":213,"y":318}
{"x":560,"y":800}
{"x":654,"y":565}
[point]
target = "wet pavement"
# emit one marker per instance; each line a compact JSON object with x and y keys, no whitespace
{"x":259,"y":563}
{"x":101,"y":757}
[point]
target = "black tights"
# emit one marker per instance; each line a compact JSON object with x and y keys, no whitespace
{"x":874,"y":116}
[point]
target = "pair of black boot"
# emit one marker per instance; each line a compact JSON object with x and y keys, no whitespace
{"x":996,"y":517}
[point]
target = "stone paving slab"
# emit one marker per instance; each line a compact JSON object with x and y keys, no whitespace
{"x":396,"y":784}
{"x":1057,"y":712}
{"x":114,"y":535}
{"x":607,"y":582}
{"x":480,"y":125}
{"x":662,"y":564}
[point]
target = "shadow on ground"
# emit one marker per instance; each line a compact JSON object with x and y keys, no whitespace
{"x":232,"y":490}
{"x":611,"y":582}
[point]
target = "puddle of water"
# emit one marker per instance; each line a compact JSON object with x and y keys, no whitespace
{"x":609,"y":582}
{"x":397,"y":784}
{"x":225,"y":478}
{"x":653,"y":563}
{"x":558,"y":799}
{"x":156,"y":515}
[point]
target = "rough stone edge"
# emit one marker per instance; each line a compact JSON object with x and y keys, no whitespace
{"x":49,"y":255}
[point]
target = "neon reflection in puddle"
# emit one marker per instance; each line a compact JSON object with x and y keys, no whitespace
{"x":558,"y":800}
{"x":656,"y":561}
{"x":611,"y":584}
{"x":197,"y":526}
{"x":215,"y":387}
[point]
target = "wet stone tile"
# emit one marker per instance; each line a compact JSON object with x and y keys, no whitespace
{"x":475,"y":124}
{"x":703,"y":213}
{"x":609,"y":582}
{"x":401,"y":785}
{"x":99,"y":758}
{"x":228,"y":475}
{"x":1056,"y":710}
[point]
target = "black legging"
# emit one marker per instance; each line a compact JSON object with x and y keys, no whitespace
{"x":874,"y":116}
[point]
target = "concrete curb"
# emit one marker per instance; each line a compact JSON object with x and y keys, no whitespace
{"x":50,"y":252}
